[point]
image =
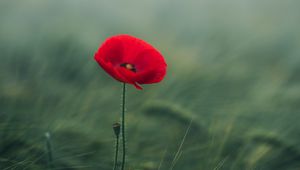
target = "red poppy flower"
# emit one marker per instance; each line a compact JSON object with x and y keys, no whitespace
{"x":131,"y":60}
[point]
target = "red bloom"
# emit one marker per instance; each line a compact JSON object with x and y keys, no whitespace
{"x":131,"y":60}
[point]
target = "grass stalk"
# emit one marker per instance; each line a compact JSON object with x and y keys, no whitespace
{"x":49,"y":151}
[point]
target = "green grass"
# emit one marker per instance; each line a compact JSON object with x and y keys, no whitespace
{"x":233,"y":68}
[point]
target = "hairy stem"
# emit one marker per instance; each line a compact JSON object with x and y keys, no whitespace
{"x":116,"y":154}
{"x":123,"y":126}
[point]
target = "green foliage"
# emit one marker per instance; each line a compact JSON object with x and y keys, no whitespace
{"x":233,"y":71}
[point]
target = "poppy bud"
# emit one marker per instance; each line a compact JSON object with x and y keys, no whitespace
{"x":116,"y":127}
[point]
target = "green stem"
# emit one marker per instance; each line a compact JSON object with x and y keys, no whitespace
{"x":116,"y":154}
{"x":123,"y":126}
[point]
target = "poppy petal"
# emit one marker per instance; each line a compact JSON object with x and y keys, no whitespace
{"x":111,"y":51}
{"x":119,"y":52}
{"x":128,"y":77}
{"x":151,"y":76}
{"x":110,"y":70}
{"x":137,"y":86}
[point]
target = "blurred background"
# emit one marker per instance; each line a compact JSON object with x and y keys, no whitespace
{"x":230,"y":100}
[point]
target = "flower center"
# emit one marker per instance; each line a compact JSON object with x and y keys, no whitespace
{"x":128,"y":66}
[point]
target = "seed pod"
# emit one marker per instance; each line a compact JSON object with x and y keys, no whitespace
{"x":116,"y":127}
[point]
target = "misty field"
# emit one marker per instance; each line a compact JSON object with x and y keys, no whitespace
{"x":230,"y":99}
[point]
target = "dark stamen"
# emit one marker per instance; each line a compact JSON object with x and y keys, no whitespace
{"x":128,"y":66}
